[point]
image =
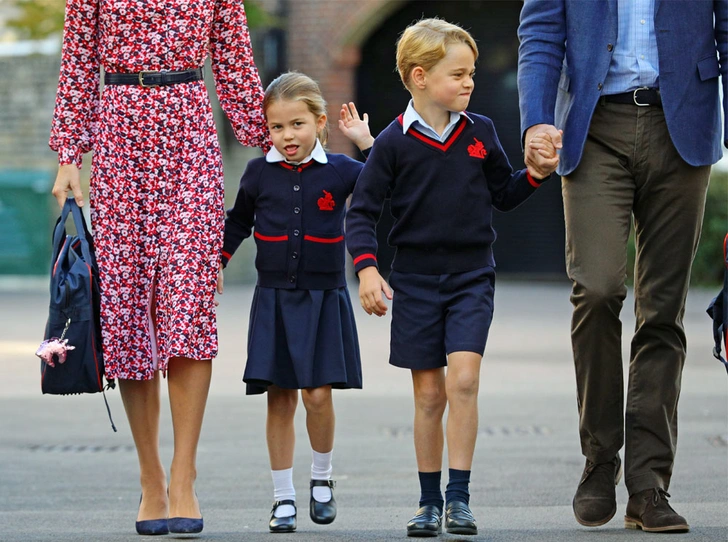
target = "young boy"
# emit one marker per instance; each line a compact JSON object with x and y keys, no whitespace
{"x":445,"y":171}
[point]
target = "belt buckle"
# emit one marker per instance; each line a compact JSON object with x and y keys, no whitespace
{"x":634,"y":97}
{"x":141,"y":79}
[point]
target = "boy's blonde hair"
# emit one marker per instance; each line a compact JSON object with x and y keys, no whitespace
{"x":425,"y":43}
{"x":294,"y":86}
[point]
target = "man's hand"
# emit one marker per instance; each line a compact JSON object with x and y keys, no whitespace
{"x":371,"y":286}
{"x":541,"y":162}
{"x":68,"y":178}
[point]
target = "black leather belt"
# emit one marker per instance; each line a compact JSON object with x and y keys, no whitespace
{"x":153,"y":79}
{"x":641,"y":97}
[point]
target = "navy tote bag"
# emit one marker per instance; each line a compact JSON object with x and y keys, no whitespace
{"x":73,"y":313}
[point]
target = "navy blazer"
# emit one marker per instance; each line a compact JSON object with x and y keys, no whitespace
{"x":565,"y":54}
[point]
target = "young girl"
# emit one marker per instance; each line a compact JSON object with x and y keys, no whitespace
{"x":302,"y":334}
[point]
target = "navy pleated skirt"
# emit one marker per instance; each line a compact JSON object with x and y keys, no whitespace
{"x":302,"y":339}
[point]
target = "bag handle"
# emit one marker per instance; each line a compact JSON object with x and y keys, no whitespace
{"x":59,"y":233}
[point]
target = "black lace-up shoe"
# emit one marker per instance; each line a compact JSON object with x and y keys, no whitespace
{"x":649,"y":511}
{"x":595,"y":502}
{"x":459,"y":519}
{"x":427,"y":521}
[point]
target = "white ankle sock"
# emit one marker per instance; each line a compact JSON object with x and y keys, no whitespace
{"x":321,"y":470}
{"x":283,"y":490}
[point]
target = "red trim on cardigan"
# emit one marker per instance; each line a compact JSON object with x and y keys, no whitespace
{"x":269,"y":238}
{"x":323,"y":239}
{"x":364,"y":257}
{"x":226,"y":255}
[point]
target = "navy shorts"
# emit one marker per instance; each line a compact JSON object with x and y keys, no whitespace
{"x":435,"y":315}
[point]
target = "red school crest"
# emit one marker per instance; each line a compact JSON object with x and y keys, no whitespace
{"x":477,"y":149}
{"x":326,"y":203}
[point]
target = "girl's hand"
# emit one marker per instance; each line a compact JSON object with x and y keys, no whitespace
{"x":371,"y":286}
{"x":68,"y":178}
{"x":354,"y":128}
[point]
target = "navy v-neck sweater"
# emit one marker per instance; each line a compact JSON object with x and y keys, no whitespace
{"x":442,"y":197}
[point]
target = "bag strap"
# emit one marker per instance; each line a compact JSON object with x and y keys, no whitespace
{"x":82,"y":231}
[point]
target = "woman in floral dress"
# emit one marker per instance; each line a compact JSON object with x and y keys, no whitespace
{"x":157,"y":207}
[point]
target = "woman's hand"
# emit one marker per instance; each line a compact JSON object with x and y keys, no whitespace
{"x":371,"y":286}
{"x":68,"y":178}
{"x":220,"y":280}
{"x":354,"y":128}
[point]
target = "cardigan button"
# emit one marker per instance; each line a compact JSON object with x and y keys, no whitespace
{"x":296,"y":210}
{"x":292,"y":279}
{"x":294,"y":255}
{"x":296,"y":233}
{"x":296,"y":188}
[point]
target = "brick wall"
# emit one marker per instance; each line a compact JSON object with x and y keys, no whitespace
{"x":323,"y":38}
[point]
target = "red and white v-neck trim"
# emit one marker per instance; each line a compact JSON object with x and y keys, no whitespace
{"x":440,"y":145}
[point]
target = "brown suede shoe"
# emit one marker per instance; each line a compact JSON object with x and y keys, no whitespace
{"x":648,"y":510}
{"x":595,"y":501}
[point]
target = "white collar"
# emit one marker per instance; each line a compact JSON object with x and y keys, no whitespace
{"x":411,"y":115}
{"x":318,"y":154}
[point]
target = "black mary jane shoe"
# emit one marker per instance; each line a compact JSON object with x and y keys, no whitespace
{"x":459,"y":519}
{"x":427,"y":521}
{"x":285,"y":524}
{"x":322,"y":513}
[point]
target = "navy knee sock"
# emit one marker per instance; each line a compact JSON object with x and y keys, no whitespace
{"x":457,"y":486}
{"x":430,"y":493}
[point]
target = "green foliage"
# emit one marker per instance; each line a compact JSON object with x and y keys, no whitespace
{"x":38,"y":19}
{"x":708,"y":265}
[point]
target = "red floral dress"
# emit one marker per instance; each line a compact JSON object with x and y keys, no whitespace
{"x":157,"y":208}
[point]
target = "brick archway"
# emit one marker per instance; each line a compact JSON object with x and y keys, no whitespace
{"x":324,"y":41}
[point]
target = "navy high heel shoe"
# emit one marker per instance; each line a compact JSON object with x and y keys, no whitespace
{"x":186,"y":525}
{"x":151,"y":526}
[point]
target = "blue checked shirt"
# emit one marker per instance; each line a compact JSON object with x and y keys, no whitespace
{"x":635,"y":60}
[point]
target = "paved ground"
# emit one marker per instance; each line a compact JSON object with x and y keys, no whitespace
{"x":64,"y":476}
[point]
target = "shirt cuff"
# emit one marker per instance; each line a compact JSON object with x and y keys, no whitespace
{"x":70,"y":155}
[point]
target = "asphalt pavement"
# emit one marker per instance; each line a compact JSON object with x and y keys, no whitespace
{"x":65,"y":476}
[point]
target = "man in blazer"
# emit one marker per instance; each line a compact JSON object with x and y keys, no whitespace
{"x":634,"y":86}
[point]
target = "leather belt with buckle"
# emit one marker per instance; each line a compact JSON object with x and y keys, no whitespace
{"x":641,"y":97}
{"x":148,"y":79}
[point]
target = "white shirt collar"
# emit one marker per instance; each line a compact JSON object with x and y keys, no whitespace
{"x":411,"y":115}
{"x":318,"y":154}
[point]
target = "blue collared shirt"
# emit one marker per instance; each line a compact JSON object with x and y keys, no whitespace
{"x":635,"y":59}
{"x":318,"y":153}
{"x":411,"y":116}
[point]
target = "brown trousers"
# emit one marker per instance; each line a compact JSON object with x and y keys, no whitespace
{"x":631,"y":170}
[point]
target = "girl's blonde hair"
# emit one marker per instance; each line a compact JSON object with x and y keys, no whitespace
{"x":294,"y":86}
{"x":425,"y":43}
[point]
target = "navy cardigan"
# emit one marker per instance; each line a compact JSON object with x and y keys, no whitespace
{"x":442,"y":197}
{"x":297,"y":214}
